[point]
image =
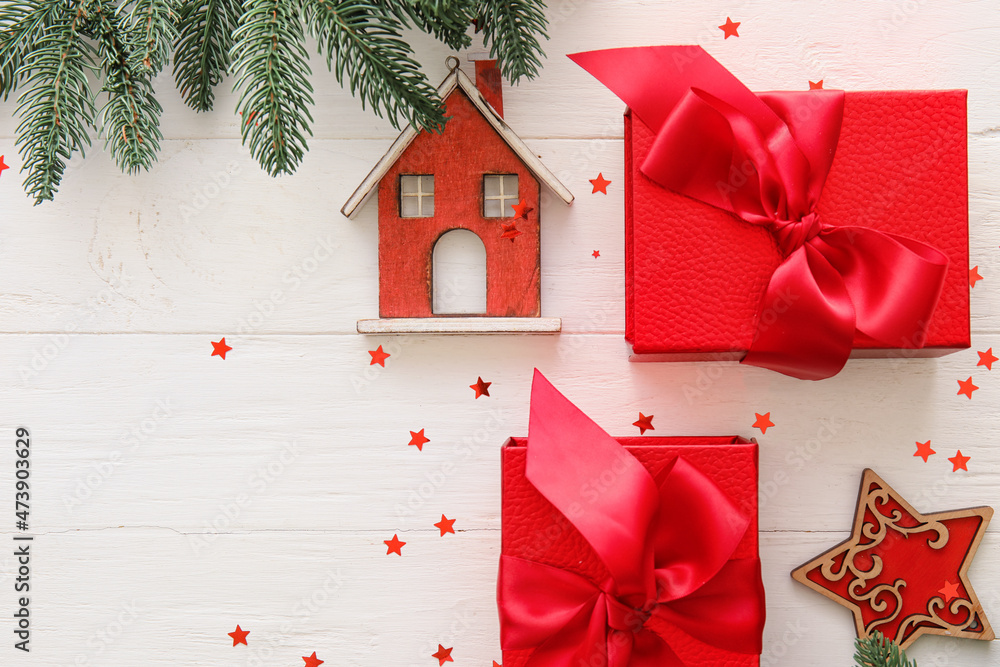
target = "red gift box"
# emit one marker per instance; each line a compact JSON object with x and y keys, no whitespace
{"x":709,"y":275}
{"x":535,"y":531}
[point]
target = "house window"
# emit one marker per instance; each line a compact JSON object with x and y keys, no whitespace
{"x":499,"y":195}
{"x":416,"y":196}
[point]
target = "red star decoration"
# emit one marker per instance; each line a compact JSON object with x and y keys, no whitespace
{"x":596,"y":254}
{"x":220,"y":348}
{"x":958,"y":462}
{"x":239,"y":636}
{"x":395,"y":546}
{"x":903,"y":556}
{"x":949,"y":591}
{"x":443,"y":655}
{"x":496,"y":664}
{"x":521,"y":210}
{"x":966,"y":387}
{"x":645,"y":423}
{"x":974,"y":276}
{"x":600,"y":184}
{"x":730,"y":28}
{"x":481,"y":388}
{"x":445,"y":525}
{"x":2,"y":165}
{"x":417,"y":439}
{"x":510,"y":231}
{"x":378,"y":357}
{"x":312,"y":660}
{"x":924,"y":450}
{"x":816,"y":85}
{"x":763,"y":422}
{"x":986,"y":359}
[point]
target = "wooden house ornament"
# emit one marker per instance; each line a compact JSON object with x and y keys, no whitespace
{"x":477,"y":176}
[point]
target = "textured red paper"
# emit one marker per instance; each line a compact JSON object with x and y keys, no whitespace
{"x":695,"y":275}
{"x":535,"y":530}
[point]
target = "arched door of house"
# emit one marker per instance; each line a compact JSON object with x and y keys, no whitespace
{"x":458,"y":274}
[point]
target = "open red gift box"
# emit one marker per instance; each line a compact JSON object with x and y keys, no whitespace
{"x":697,"y":275}
{"x":557,"y":579}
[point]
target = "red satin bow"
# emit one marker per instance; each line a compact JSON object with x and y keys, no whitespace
{"x":765,"y":158}
{"x":666,"y":542}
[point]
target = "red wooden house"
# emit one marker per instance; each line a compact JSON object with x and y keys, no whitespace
{"x":470,"y":177}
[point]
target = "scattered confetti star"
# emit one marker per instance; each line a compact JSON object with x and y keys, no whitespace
{"x":986,"y":359}
{"x":395,"y":546}
{"x":378,"y":357}
{"x":510,"y":231}
{"x":220,"y":348}
{"x":958,"y":462}
{"x":481,"y":388}
{"x":763,"y":422}
{"x":645,"y":423}
{"x":418,"y":439}
{"x":596,"y":254}
{"x":816,"y":85}
{"x":443,"y":655}
{"x":600,"y":184}
{"x":729,"y":28}
{"x":521,"y":210}
{"x":974,"y":276}
{"x":966,"y":387}
{"x":2,"y":165}
{"x":445,"y":525}
{"x":948,"y":591}
{"x":312,"y":660}
{"x":239,"y":636}
{"x":924,"y":450}
{"x":496,"y":664}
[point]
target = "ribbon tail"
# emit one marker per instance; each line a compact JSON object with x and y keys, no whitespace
{"x":806,"y":322}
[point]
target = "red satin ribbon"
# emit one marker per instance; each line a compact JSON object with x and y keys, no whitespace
{"x":765,"y":158}
{"x":667,"y":544}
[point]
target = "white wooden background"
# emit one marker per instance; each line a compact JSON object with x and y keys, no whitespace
{"x":176,"y":494}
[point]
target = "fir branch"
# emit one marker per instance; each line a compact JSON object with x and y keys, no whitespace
{"x":57,"y":108}
{"x":130,"y":121}
{"x":201,"y":55}
{"x":272,"y":72}
{"x":22,"y":25}
{"x":878,"y":651}
{"x":150,"y":29}
{"x":447,"y":20}
{"x":363,"y":43}
{"x":510,"y":29}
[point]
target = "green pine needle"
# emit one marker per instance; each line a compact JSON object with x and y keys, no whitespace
{"x":878,"y":651}
{"x":150,"y":30}
{"x":272,"y":71}
{"x":22,"y":25}
{"x":201,"y":55}
{"x":447,"y":20}
{"x":509,"y":29}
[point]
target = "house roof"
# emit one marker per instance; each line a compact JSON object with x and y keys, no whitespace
{"x":457,"y":80}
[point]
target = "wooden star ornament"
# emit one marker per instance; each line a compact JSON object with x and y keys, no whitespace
{"x":892,"y":570}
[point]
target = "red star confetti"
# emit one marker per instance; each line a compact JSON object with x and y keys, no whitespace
{"x":496,"y":664}
{"x":600,"y":184}
{"x":966,"y":387}
{"x":729,"y":28}
{"x":481,"y":388}
{"x":239,"y":636}
{"x":924,"y":450}
{"x":816,"y":85}
{"x":958,"y":461}
{"x":312,"y":660}
{"x":763,"y":421}
{"x":974,"y":276}
{"x":521,"y":210}
{"x":645,"y":423}
{"x":220,"y":348}
{"x":378,"y":357}
{"x":418,"y":439}
{"x":949,"y":591}
{"x":596,"y":254}
{"x":2,"y":165}
{"x":445,"y":525}
{"x":395,"y":546}
{"x":986,"y":359}
{"x":443,"y":655}
{"x":510,"y":231}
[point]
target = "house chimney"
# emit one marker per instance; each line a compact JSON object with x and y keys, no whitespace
{"x":488,"y":81}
